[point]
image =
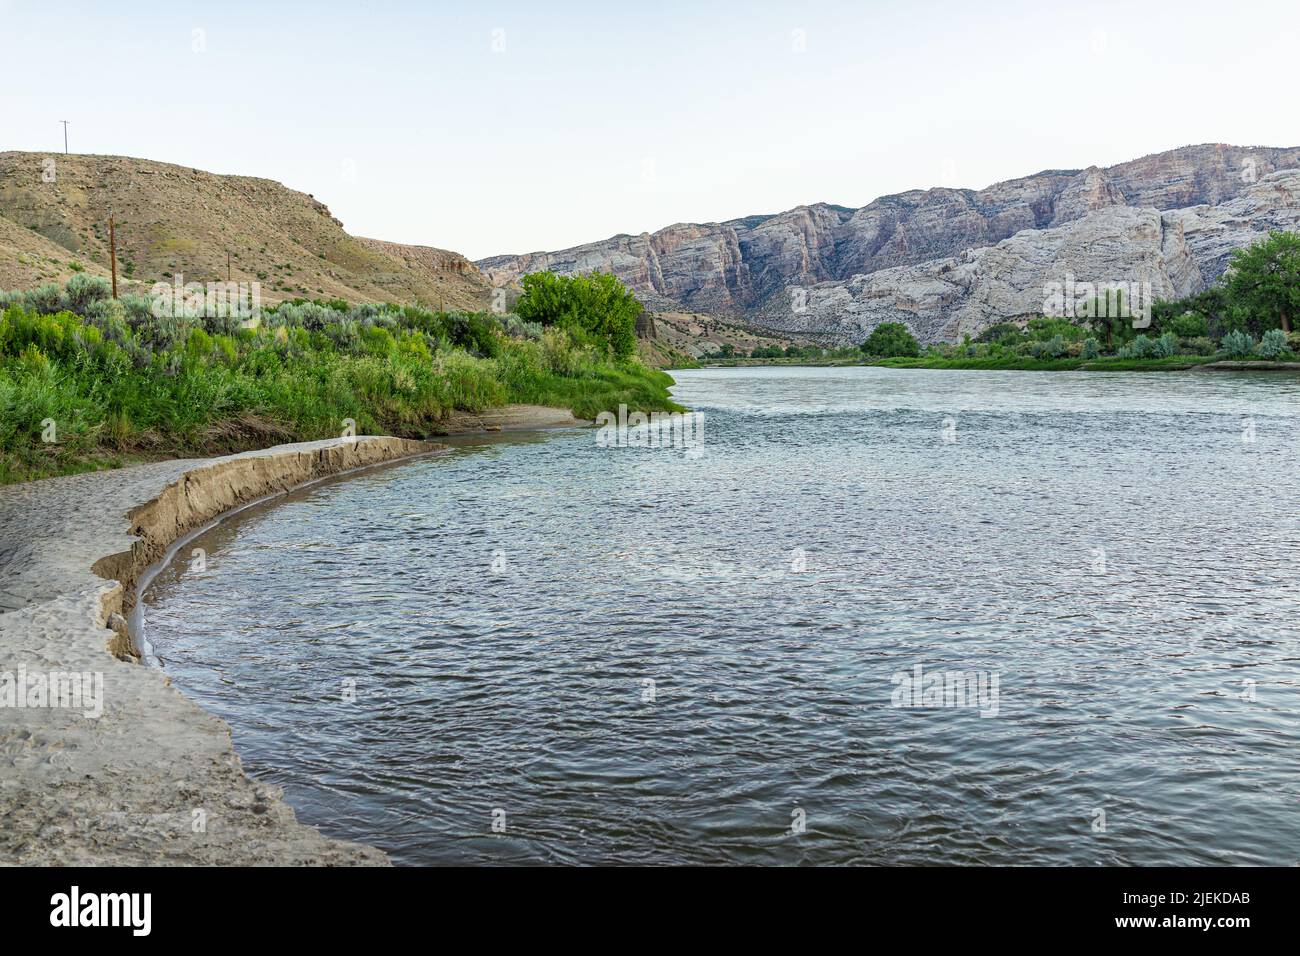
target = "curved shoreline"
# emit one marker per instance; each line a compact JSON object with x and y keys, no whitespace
{"x":154,"y":779}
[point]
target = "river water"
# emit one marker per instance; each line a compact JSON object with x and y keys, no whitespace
{"x":540,"y":649}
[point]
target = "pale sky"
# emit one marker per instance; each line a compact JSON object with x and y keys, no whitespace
{"x":503,"y":127}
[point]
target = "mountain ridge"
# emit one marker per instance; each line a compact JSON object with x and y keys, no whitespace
{"x":722,"y":269}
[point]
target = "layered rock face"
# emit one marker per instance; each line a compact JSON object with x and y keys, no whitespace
{"x":923,"y":251}
{"x":1158,"y":255}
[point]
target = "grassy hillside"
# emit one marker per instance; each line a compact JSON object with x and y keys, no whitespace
{"x":175,"y":220}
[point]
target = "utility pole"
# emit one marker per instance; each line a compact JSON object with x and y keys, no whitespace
{"x":65,"y":136}
{"x":112,"y":250}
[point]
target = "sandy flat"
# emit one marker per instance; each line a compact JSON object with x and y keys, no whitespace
{"x":154,"y":779}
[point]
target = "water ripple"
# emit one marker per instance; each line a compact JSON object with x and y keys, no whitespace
{"x":642,"y":656}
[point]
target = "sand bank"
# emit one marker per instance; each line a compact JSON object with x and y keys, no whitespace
{"x":153,"y":779}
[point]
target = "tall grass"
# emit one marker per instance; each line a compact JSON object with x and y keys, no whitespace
{"x":113,"y":385}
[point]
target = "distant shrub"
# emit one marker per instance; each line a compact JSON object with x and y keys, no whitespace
{"x":83,"y":289}
{"x":1056,"y":347}
{"x":1272,"y":345}
{"x":1091,"y":348}
{"x":1166,"y":346}
{"x":891,"y":340}
{"x":1188,"y":325}
{"x":1045,"y":329}
{"x":519,"y":329}
{"x":1141,"y":347}
{"x":1006,"y":333}
{"x":44,"y":299}
{"x":1237,"y":344}
{"x":1201,"y":345}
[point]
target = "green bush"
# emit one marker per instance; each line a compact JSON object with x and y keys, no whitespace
{"x":1140,"y":347}
{"x":1006,"y":333}
{"x":44,"y":298}
{"x":1189,"y":325}
{"x":1052,"y":348}
{"x":891,"y":340}
{"x":596,"y":309}
{"x":82,"y":290}
{"x":1091,"y":348}
{"x":1238,"y":344}
{"x":1273,"y":344}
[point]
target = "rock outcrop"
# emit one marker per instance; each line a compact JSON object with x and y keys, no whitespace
{"x":1168,"y":255}
{"x":925,"y":250}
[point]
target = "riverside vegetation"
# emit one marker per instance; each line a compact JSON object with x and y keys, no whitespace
{"x":88,"y":381}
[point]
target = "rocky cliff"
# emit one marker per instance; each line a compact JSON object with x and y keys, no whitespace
{"x":920,"y":256}
{"x":1166,"y":254}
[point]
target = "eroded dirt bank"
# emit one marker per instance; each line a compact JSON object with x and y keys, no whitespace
{"x":153,"y":779}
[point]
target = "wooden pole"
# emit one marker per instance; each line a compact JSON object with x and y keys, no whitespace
{"x":227,"y":265}
{"x":112,"y":251}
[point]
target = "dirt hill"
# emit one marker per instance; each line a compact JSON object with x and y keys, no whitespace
{"x":175,"y":220}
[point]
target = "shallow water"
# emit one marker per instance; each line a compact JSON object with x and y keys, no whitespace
{"x":1111,"y":548}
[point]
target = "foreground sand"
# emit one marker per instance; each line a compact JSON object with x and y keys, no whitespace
{"x":154,"y":779}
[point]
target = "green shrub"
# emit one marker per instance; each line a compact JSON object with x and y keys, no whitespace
{"x":1166,"y":346}
{"x":1189,"y":325}
{"x":1007,"y":333}
{"x":1273,"y":345}
{"x":1140,"y":347}
{"x":1091,"y":348}
{"x":44,"y":298}
{"x":1237,"y":344}
{"x":1056,"y":347}
{"x":82,"y":290}
{"x":891,"y":340}
{"x":596,"y":309}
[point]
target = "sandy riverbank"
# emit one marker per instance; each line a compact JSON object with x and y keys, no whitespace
{"x":153,"y":779}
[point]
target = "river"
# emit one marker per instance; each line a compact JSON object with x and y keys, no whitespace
{"x":539,"y":649}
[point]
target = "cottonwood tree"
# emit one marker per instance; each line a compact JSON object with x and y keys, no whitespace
{"x":1265,"y":279}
